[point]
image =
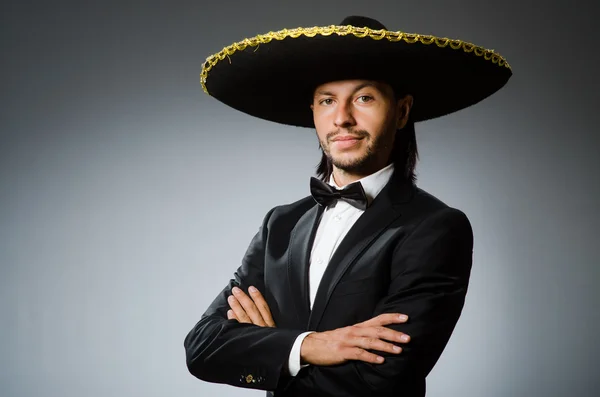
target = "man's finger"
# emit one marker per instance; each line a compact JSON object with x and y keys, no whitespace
{"x":249,"y":307}
{"x":368,"y":343}
{"x":385,"y":333}
{"x":238,"y":310}
{"x":382,"y":333}
{"x":356,"y":353}
{"x":262,"y":306}
{"x":384,"y":319}
{"x":231,"y":315}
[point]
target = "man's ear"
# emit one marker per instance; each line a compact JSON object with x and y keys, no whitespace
{"x":404,"y":105}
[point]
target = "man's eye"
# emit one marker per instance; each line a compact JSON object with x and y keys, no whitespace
{"x":364,"y":98}
{"x":327,"y":101}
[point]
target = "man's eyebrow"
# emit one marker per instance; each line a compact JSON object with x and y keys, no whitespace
{"x":365,"y":85}
{"x":355,"y":90}
{"x":327,"y":93}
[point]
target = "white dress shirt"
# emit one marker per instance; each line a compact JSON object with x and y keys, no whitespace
{"x":336,"y":221}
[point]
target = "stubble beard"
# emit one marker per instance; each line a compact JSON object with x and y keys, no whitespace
{"x":361,"y":164}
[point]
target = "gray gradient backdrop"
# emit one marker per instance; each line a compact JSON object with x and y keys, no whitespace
{"x":128,"y":196}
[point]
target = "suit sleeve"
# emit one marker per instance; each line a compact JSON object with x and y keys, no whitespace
{"x":224,"y":351}
{"x":429,"y":277}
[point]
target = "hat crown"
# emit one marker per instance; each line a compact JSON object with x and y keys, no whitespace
{"x":361,"y":22}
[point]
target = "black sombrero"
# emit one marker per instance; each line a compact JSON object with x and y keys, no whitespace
{"x":272,"y":76}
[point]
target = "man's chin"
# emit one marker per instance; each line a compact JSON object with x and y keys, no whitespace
{"x":348,"y":156}
{"x":349,"y":165}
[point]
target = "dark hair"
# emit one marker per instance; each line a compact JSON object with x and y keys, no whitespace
{"x":404,"y":155}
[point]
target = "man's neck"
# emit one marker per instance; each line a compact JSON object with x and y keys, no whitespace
{"x":343,"y":178}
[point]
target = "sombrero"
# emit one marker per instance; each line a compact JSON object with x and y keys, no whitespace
{"x":272,"y":76}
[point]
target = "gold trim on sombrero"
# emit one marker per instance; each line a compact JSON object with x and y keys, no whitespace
{"x":343,"y":31}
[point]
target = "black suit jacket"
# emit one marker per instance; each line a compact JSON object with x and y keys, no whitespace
{"x":408,"y":253}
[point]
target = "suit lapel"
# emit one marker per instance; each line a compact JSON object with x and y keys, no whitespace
{"x":383,"y":211}
{"x":301,"y":242}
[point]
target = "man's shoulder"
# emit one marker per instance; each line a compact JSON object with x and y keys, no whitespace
{"x":426,"y":205}
{"x":427,"y":201}
{"x":290,"y":211}
{"x":301,"y":205}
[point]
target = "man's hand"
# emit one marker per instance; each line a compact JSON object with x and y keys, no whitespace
{"x":251,"y":309}
{"x":351,"y":343}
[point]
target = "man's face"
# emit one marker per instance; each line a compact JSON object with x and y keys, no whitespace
{"x":356,"y":121}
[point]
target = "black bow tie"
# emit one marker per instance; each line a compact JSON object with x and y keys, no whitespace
{"x":325,"y":194}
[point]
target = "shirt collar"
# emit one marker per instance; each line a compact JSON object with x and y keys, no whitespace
{"x":372,"y":184}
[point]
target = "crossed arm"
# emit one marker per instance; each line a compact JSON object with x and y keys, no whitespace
{"x":331,"y":347}
{"x":429,"y":278}
{"x":429,"y":283}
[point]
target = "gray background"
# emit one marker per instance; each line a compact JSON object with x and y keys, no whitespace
{"x":128,"y":196}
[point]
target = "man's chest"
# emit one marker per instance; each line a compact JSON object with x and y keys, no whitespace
{"x":333,"y":266}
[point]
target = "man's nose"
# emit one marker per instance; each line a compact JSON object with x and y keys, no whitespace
{"x":343,"y":116}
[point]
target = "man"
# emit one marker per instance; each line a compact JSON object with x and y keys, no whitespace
{"x":355,"y":289}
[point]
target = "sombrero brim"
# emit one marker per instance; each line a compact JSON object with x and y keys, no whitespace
{"x":272,"y":76}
